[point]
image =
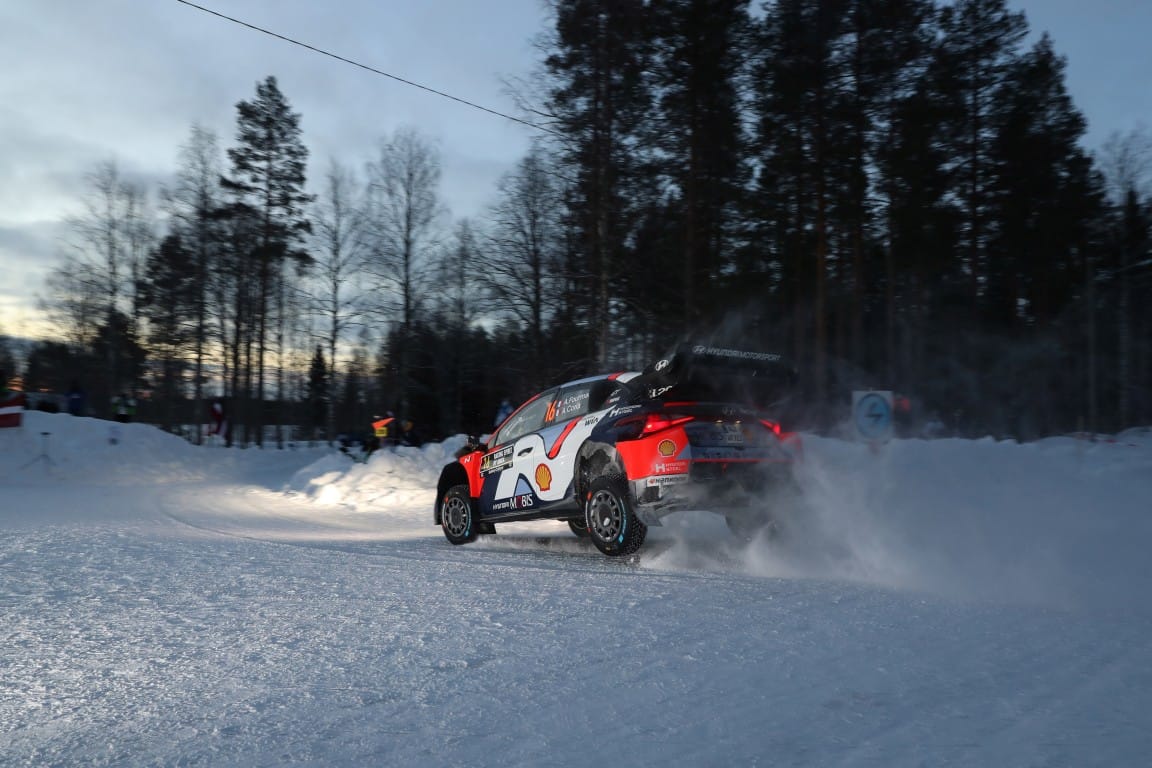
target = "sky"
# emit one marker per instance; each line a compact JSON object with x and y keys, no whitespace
{"x":962,"y":603}
{"x":83,"y":82}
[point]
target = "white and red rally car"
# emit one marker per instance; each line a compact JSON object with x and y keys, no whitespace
{"x":613,"y":454}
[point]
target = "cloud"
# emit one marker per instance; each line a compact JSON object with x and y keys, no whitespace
{"x":125,"y":81}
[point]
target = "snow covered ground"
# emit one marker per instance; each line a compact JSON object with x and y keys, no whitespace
{"x":942,"y":603}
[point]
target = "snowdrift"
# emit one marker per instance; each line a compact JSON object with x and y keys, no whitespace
{"x":60,"y":448}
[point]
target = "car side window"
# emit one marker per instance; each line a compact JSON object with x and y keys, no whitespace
{"x":528,"y":419}
{"x":571,"y":403}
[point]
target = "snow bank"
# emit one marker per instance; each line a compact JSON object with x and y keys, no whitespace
{"x":399,"y":481}
{"x":56,"y":448}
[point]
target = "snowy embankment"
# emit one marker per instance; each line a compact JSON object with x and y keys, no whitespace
{"x":946,"y":602}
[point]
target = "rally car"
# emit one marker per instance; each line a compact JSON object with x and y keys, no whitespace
{"x":614,"y":454}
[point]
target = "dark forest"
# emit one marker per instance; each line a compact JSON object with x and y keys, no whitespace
{"x":893,"y":194}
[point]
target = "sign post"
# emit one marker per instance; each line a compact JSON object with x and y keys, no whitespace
{"x":872,"y":416}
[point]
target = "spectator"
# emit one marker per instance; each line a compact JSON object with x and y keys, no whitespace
{"x":381,"y":434}
{"x":408,"y":433}
{"x":124,"y":407}
{"x":219,"y":421}
{"x":76,"y":399}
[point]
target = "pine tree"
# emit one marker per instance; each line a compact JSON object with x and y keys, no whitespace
{"x":267,"y":181}
{"x":802,"y":151}
{"x":317,"y":393}
{"x":599,"y":97}
{"x":697,"y":127}
{"x":168,"y":299}
{"x":1042,"y":196}
{"x":194,"y":203}
{"x":975,"y":61}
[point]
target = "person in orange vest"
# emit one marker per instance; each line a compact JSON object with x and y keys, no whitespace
{"x":382,"y":427}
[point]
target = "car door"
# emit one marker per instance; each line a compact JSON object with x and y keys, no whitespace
{"x":544,"y":462}
{"x":504,"y":492}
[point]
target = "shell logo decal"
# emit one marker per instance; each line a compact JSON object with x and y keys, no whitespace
{"x":666,"y":447}
{"x":543,"y":477}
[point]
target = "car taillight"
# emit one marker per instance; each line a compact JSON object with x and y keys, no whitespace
{"x":772,"y":425}
{"x":658,"y":422}
{"x":642,"y":426}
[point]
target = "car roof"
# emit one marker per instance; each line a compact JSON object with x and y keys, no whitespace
{"x":621,"y":377}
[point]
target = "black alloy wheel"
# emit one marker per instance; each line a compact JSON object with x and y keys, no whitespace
{"x":612,"y":522}
{"x":458,"y":516}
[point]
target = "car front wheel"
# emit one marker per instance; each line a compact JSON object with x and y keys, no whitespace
{"x":458,"y":516}
{"x":612,"y":522}
{"x":579,"y":527}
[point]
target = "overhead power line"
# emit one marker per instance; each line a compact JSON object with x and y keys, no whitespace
{"x":373,"y":70}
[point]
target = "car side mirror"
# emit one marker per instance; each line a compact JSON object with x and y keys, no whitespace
{"x":470,"y":445}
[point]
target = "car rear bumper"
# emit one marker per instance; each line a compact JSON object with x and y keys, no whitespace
{"x":709,"y":486}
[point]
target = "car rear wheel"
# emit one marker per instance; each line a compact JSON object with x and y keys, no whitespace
{"x":458,"y":516}
{"x":611,"y":518}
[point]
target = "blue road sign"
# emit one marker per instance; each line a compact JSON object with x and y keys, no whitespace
{"x":873,"y":415}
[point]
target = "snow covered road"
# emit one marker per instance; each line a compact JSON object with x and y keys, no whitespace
{"x":216,"y":608}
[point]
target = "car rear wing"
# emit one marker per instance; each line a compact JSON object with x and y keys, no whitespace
{"x":702,"y":372}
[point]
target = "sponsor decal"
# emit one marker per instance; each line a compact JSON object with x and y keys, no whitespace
{"x":496,"y":460}
{"x":654,"y":482}
{"x":656,"y":392}
{"x":666,"y":448}
{"x":661,"y":365}
{"x":670,"y":467}
{"x":543,"y":477}
{"x":592,"y":421}
{"x":569,"y":405}
{"x":623,"y":411}
{"x":735,"y":354}
{"x":519,"y":501}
